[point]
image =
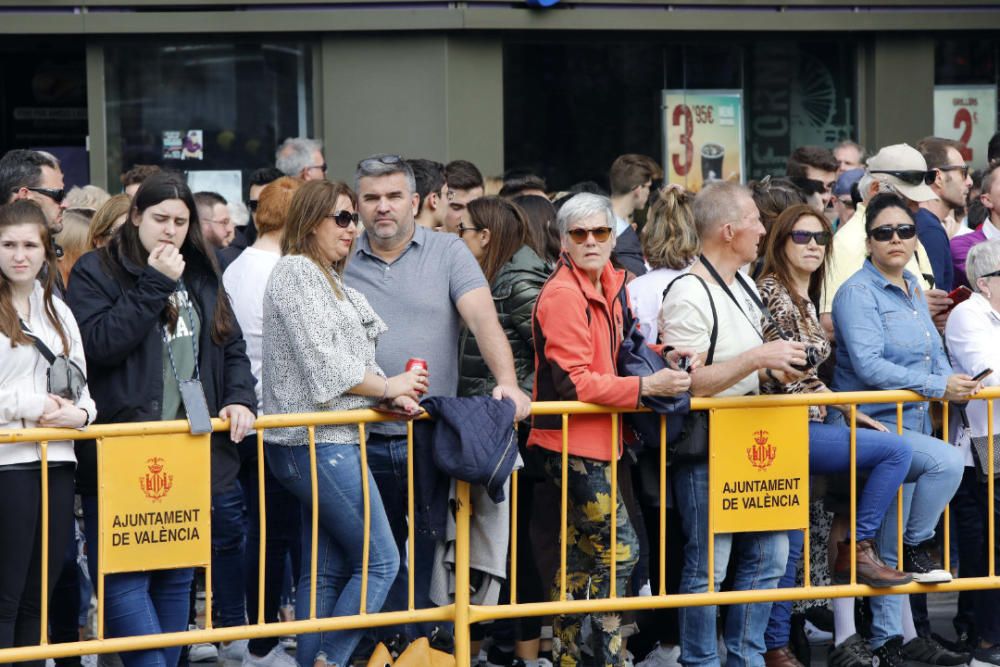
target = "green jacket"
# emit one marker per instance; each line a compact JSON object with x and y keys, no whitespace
{"x":514,"y":292}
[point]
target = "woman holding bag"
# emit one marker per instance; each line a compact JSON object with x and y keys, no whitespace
{"x":32,"y":318}
{"x":163,"y":344}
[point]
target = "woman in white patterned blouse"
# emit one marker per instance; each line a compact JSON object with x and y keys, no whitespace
{"x":319,"y":355}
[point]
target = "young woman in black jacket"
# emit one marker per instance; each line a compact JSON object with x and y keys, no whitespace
{"x":152,"y":311}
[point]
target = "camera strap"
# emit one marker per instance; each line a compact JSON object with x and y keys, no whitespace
{"x":753,"y":297}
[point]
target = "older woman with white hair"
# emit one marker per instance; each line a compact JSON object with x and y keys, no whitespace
{"x":577,"y":333}
{"x":971,"y":334}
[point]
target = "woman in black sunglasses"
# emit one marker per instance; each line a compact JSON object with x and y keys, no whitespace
{"x":887,"y":340}
{"x":795,"y":257}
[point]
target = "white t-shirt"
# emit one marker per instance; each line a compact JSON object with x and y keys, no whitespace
{"x":686,"y":322}
{"x":646,"y":296}
{"x":245,"y":281}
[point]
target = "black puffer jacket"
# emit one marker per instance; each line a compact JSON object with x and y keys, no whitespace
{"x":119,"y":325}
{"x":514,"y":292}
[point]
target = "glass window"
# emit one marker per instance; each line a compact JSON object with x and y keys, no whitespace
{"x":571,"y":107}
{"x":195,"y":105}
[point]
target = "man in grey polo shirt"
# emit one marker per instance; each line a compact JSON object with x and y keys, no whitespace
{"x":425,"y":286}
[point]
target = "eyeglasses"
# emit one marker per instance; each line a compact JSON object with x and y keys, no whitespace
{"x":462,"y":229}
{"x":343,"y":218}
{"x":321,"y":167}
{"x":803,"y":237}
{"x":225,"y":222}
{"x":964,"y":168}
{"x":579,"y":234}
{"x":252,"y":205}
{"x":885,"y":232}
{"x":911,"y":176}
{"x":55,"y":195}
{"x":369,"y":163}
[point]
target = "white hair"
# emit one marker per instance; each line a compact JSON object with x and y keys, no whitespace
{"x":296,"y":154}
{"x":581,"y":207}
{"x":983,"y":258}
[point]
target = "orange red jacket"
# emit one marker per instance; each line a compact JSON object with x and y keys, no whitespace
{"x":577,"y":333}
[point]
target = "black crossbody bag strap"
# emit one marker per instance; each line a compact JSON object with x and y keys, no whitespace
{"x":753,"y":297}
{"x":42,"y":347}
{"x":715,"y":316}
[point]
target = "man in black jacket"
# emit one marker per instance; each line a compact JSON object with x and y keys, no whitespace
{"x":631,"y":178}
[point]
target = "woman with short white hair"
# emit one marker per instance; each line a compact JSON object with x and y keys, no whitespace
{"x":971,"y":334}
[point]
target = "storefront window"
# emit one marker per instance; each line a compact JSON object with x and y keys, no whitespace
{"x":204,"y":106}
{"x":965,"y":94}
{"x":571,"y":107}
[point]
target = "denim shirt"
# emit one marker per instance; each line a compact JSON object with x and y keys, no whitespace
{"x":887,"y":340}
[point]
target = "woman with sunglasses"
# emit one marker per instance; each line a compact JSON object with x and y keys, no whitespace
{"x":319,"y":355}
{"x":791,"y":281}
{"x":156,"y":326}
{"x":887,"y":340}
{"x":577,"y":335}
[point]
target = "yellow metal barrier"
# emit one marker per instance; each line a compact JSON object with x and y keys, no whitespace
{"x":461,"y":612}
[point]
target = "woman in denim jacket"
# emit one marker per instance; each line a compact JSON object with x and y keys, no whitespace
{"x":887,"y":340}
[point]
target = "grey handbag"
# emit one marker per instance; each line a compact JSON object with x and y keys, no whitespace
{"x":65,"y":378}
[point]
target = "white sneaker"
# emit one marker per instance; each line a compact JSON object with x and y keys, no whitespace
{"x":662,"y":656}
{"x":203,"y":653}
{"x":233,"y":651}
{"x":276,"y":658}
{"x":817,"y":636}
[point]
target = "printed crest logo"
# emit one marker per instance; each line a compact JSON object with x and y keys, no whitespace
{"x":156,"y":483}
{"x":761,"y":454}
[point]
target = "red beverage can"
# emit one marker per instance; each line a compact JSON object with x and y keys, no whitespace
{"x":414,"y":362}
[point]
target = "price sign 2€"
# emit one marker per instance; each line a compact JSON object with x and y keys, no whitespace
{"x":154,"y":504}
{"x":759,"y":469}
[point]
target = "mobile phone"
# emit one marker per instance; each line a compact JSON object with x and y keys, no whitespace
{"x":958,"y":295}
{"x":195,"y":406}
{"x":981,"y":374}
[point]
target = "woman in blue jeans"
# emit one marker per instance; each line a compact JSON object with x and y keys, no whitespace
{"x":319,"y":355}
{"x":887,"y":340}
{"x":152,"y":315}
{"x":791,"y":281}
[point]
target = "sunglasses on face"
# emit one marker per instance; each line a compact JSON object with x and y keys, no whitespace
{"x":964,"y":168}
{"x":911,"y":176}
{"x":55,"y":195}
{"x":344,"y":218}
{"x":803,"y":237}
{"x":579,"y":234}
{"x":252,"y":205}
{"x":885,"y":232}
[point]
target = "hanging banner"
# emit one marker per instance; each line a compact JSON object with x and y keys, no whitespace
{"x":758,"y":475}
{"x":155,"y":502}
{"x":703,"y":135}
{"x":967,"y":114}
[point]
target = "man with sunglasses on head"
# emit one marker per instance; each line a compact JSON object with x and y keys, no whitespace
{"x":897,"y":169}
{"x":302,"y":158}
{"x":425,"y":286}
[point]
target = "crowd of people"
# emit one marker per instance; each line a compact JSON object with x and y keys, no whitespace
{"x":850,"y":272}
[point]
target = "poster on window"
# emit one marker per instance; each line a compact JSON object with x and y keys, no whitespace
{"x":703,"y":134}
{"x":967,"y":114}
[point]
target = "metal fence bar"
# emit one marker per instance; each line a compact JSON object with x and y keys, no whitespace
{"x":614,"y":507}
{"x":854,"y":494}
{"x":262,"y":518}
{"x":366,"y":500}
{"x":314,"y":529}
{"x":990,"y":482}
{"x":663,"y":505}
{"x":513,"y":537}
{"x":410,"y":520}
{"x":900,"y":526}
{"x":564,"y":507}
{"x":44,"y":636}
{"x":946,"y":517}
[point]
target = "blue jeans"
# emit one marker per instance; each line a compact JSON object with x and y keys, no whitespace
{"x":888,"y":458}
{"x":339,"y":550}
{"x":760,"y":562}
{"x":229,"y":532}
{"x":140,"y":603}
{"x":387,"y":461}
{"x":934,"y":475}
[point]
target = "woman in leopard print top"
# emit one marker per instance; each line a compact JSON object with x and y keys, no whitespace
{"x":794,"y":265}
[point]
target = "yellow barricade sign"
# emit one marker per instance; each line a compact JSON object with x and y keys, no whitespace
{"x":759,"y":469}
{"x":155,"y":504}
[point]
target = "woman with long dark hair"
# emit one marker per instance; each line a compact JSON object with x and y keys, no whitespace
{"x":30,"y":314}
{"x":153,"y":315}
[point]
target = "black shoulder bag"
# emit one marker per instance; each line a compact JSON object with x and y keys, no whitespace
{"x":691,"y":446}
{"x":65,"y":378}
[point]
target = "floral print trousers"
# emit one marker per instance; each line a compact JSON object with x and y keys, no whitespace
{"x":591,"y":639}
